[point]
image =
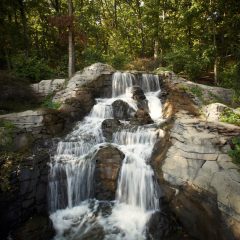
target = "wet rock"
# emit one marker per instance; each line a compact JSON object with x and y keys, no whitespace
{"x":141,"y":117}
{"x":108,"y":164}
{"x":138,"y":95}
{"x":36,"y":228}
{"x":121,"y":110}
{"x":109,"y":126}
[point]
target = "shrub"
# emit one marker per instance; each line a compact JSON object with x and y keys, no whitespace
{"x":48,"y":103}
{"x":229,"y":116}
{"x":143,"y":64}
{"x":234,"y":153}
{"x":187,"y":61}
{"x":32,"y":68}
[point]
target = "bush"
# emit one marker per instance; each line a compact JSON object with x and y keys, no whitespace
{"x":185,"y":60}
{"x":234,"y":153}
{"x":48,"y":103}
{"x":143,"y":64}
{"x":229,"y":116}
{"x":32,"y":68}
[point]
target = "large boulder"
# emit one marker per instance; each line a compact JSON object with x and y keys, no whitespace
{"x":96,"y":77}
{"x":108,"y":164}
{"x":137,"y":94}
{"x":141,"y":117}
{"x":48,"y":87}
{"x":121,"y":110}
{"x":213,"y":111}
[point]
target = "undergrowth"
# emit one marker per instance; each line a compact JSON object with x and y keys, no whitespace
{"x":229,"y":116}
{"x":234,"y":153}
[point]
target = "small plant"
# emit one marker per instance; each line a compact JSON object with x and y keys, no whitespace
{"x":234,"y":153}
{"x":197,"y":91}
{"x":48,"y":103}
{"x":229,"y":116}
{"x":6,"y":134}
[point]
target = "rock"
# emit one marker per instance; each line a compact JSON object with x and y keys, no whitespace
{"x":137,"y":94}
{"x":48,"y":87}
{"x":96,"y":77}
{"x":213,"y":111}
{"x":199,"y":215}
{"x":141,"y":117}
{"x":108,"y":164}
{"x":39,"y":122}
{"x":109,"y":126}
{"x":36,"y":228}
{"x":121,"y":110}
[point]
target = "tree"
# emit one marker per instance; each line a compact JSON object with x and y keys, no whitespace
{"x":71,"y":53}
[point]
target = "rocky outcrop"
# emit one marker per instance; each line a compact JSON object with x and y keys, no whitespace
{"x":108,"y":164}
{"x":40,"y":123}
{"x":96,"y":77}
{"x":48,"y":87}
{"x":198,"y":177}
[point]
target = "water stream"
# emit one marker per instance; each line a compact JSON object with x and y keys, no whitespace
{"x":75,"y":213}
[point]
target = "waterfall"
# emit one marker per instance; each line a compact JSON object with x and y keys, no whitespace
{"x":74,"y":212}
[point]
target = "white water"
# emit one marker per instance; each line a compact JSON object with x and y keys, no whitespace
{"x":72,"y":170}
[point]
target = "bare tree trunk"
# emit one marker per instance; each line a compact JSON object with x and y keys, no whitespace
{"x":24,"y":23}
{"x":71,"y":55}
{"x":216,"y":66}
{"x":156,"y":49}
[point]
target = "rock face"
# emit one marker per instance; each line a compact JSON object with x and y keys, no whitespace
{"x":108,"y":164}
{"x":208,"y":182}
{"x":48,"y":87}
{"x":28,"y":181}
{"x":121,"y":110}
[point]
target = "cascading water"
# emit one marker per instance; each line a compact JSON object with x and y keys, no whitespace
{"x":74,"y":212}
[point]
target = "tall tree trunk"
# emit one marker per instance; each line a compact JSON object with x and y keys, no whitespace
{"x":215,"y":69}
{"x":71,"y":53}
{"x":156,"y":49}
{"x":24,"y":23}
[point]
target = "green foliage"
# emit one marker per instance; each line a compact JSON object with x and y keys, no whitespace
{"x":229,"y":116}
{"x":197,"y":91}
{"x":6,"y":134}
{"x":32,"y":68}
{"x":229,"y":76}
{"x":186,"y":61}
{"x":48,"y":103}
{"x":235,"y":152}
